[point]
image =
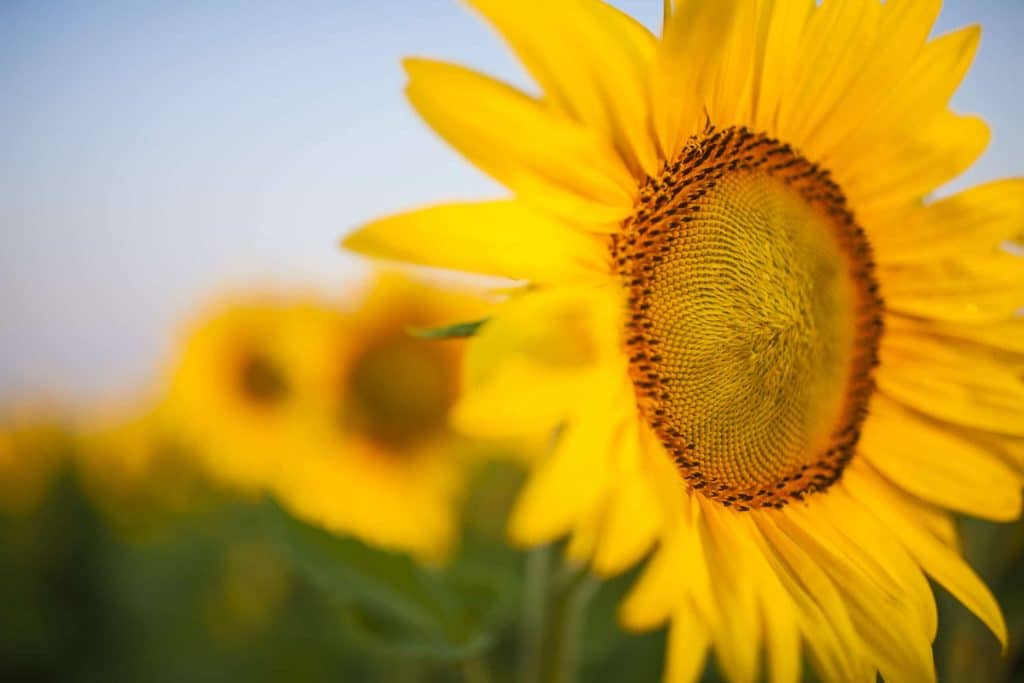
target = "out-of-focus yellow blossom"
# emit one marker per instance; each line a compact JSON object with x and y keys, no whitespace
{"x":130,"y":460}
{"x":34,"y":445}
{"x":340,"y":412}
{"x":241,"y":380}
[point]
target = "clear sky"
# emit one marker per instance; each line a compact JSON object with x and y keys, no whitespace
{"x":153,"y":154}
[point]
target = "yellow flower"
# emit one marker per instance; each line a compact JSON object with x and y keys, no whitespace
{"x":129,"y":461}
{"x":34,"y":446}
{"x":240,"y":382}
{"x":773,"y":360}
{"x":382,"y":463}
{"x":341,"y":414}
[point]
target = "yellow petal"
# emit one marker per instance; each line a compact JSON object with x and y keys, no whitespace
{"x":855,"y":537}
{"x":730,"y":94}
{"x":1007,"y":335}
{"x":563,"y":489}
{"x":544,"y":156}
{"x":834,"y":46}
{"x":937,"y":465}
{"x":1008,"y":449}
{"x":751,"y":602}
{"x":967,"y":224}
{"x":897,"y":512}
{"x":783,"y":26}
{"x":909,"y":164}
{"x":959,"y":382}
{"x":895,"y":636}
{"x":1012,"y":451}
{"x":627,"y":81}
{"x":686,"y":69}
{"x":350,"y":487}
{"x":979,"y":291}
{"x":674,"y":578}
{"x":781,"y":630}
{"x":528,"y":365}
{"x":834,"y":646}
{"x":927,"y":87}
{"x":633,"y":518}
{"x":900,"y":107}
{"x":580,"y":549}
{"x":736,"y":626}
{"x":505,"y":238}
{"x":650,"y":602}
{"x":778,"y":612}
{"x":902,"y":29}
{"x":672,"y":490}
{"x":687,"y":648}
{"x":869,"y":533}
{"x":510,"y":404}
{"x":604,"y":85}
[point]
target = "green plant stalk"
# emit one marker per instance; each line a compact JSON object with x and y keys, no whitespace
{"x":563,"y":645}
{"x":475,"y":670}
{"x":532,"y":616}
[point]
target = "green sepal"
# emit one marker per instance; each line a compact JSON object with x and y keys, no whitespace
{"x":456,"y":331}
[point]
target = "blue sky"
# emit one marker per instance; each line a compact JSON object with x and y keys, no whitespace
{"x":154,"y":154}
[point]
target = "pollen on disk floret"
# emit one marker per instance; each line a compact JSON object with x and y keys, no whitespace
{"x":754,"y":318}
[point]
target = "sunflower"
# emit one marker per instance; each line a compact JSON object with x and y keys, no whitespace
{"x":378,"y":459}
{"x":34,"y":447}
{"x":235,"y":390}
{"x":129,"y":462}
{"x":340,"y":413}
{"x":776,"y":365}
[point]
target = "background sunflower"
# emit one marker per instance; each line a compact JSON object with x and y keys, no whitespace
{"x":212,"y":147}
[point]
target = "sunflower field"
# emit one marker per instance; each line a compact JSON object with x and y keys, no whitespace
{"x":718,"y":376}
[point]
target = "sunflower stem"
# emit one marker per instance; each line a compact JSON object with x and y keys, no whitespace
{"x":535,"y":598}
{"x":568,"y":615}
{"x":475,"y":670}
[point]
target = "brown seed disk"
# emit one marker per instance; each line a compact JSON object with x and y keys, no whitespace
{"x":754,"y":318}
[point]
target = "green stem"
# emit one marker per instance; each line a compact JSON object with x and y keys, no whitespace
{"x":568,"y":616}
{"x":535,"y":598}
{"x":475,"y":671}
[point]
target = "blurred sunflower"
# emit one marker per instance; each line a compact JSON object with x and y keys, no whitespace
{"x":130,"y":462}
{"x":35,"y":444}
{"x":237,"y":387}
{"x":710,"y":221}
{"x":378,"y":460}
{"x":340,"y":413}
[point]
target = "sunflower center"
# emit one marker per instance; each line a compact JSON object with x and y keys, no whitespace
{"x":399,"y":391}
{"x":754,"y":318}
{"x":261,"y":380}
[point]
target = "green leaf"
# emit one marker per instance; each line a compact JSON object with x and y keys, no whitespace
{"x":456,"y":331}
{"x":349,"y":571}
{"x":389,"y":604}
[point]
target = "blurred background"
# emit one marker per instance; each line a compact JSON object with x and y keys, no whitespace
{"x":153,"y":152}
{"x":154,"y":155}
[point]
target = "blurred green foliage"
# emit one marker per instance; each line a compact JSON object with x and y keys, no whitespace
{"x":966,"y":650}
{"x":229,"y":589}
